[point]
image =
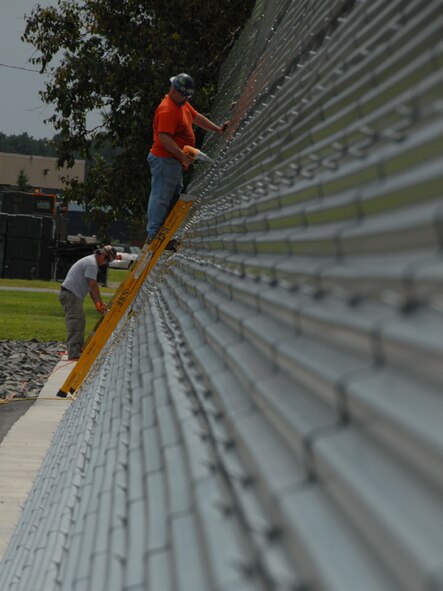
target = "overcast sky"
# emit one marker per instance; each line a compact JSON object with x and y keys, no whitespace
{"x":21,"y":109}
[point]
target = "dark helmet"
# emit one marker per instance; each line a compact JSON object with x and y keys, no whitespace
{"x":184,"y":84}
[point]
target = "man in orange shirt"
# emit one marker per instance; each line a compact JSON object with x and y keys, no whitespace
{"x":173,"y":121}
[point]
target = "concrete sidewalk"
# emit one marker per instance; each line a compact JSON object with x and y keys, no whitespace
{"x":24,"y":447}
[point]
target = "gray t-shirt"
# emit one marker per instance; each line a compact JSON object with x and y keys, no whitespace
{"x":76,"y":280}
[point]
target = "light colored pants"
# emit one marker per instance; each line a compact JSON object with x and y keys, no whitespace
{"x":75,"y":322}
{"x":166,"y":186}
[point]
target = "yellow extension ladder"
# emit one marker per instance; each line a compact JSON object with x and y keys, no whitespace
{"x":125,"y":295}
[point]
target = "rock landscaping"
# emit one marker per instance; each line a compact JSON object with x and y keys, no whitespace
{"x":26,"y":365}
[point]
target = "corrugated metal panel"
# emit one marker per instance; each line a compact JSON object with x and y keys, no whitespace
{"x":270,"y":415}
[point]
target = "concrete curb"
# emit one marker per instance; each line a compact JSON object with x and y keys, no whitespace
{"x":24,"y":447}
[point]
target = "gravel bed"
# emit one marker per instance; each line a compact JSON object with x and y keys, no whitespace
{"x":26,"y":365}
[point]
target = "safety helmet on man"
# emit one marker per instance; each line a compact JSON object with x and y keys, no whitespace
{"x":183,"y":83}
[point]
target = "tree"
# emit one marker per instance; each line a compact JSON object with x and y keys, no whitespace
{"x":117,"y":57}
{"x":26,"y":144}
{"x":22,"y":181}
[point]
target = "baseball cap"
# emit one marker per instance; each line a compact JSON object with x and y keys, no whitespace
{"x":109,"y":252}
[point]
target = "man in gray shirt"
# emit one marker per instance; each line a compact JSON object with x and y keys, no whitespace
{"x":81,"y":280}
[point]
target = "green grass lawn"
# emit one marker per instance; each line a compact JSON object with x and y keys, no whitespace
{"x":115,"y":276}
{"x":36,"y":315}
{"x":26,"y":283}
{"x":26,"y":315}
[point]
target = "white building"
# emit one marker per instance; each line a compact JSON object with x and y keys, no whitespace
{"x":41,"y":171}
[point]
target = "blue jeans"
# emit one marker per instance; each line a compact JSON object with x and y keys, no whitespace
{"x":166,"y":186}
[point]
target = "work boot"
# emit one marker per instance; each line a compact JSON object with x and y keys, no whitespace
{"x":172,"y":245}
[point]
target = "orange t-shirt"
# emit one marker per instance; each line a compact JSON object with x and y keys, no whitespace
{"x":177,"y":122}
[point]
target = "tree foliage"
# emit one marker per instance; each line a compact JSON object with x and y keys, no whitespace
{"x":26,"y":144}
{"x":22,"y":181}
{"x":115,"y":57}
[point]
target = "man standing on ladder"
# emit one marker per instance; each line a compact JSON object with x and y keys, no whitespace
{"x":81,"y":280}
{"x":173,"y":121}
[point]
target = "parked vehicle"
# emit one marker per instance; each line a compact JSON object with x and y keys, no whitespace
{"x":126,"y":255}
